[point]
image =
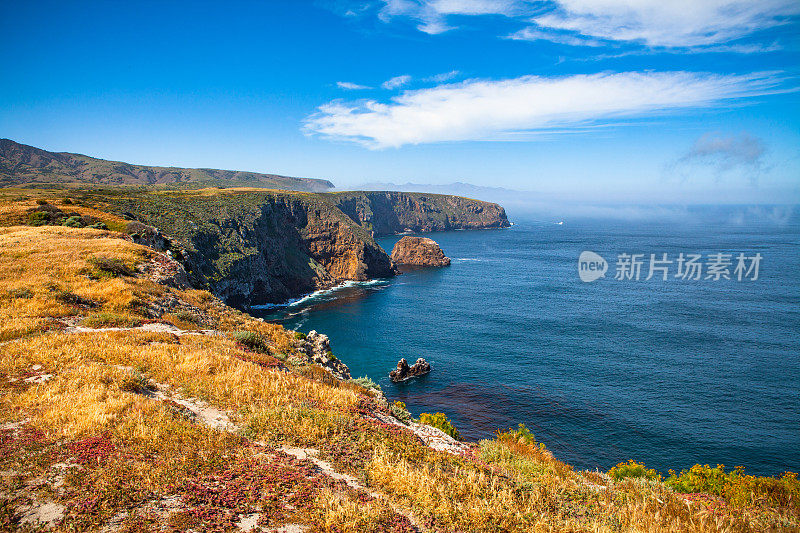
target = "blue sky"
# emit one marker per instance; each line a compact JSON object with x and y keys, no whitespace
{"x":612,"y":100}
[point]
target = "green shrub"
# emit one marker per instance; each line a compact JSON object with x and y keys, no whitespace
{"x":39,"y":218}
{"x":440,"y":421}
{"x":73,"y":222}
{"x":521,"y":435}
{"x":251,"y":340}
{"x":299,"y":335}
{"x":99,"y":225}
{"x":111,"y":266}
{"x":736,"y":487}
{"x":366,"y":382}
{"x":187,"y":316}
{"x":398,"y":409}
{"x":632,"y":469}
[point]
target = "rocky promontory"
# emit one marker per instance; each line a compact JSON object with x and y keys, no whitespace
{"x":419,"y":251}
{"x":317,"y":350}
{"x":254,"y":246}
{"x":391,"y":212}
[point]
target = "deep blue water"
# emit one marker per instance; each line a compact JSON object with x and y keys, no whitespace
{"x":671,"y":373}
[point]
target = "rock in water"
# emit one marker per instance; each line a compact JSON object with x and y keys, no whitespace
{"x":404,"y":372}
{"x":419,"y":251}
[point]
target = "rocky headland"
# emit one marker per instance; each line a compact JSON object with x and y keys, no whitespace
{"x":419,"y":251}
{"x":255,"y":246}
{"x":391,"y":212}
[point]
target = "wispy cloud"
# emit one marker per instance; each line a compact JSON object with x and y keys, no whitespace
{"x":668,"y":24}
{"x":432,"y":15}
{"x":443,"y":77}
{"x":743,"y":153}
{"x":533,"y":33}
{"x":676,"y":23}
{"x":481,"y":109}
{"x":351,"y":86}
{"x":396,"y":82}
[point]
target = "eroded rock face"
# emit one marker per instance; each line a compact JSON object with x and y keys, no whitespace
{"x":390,"y":213}
{"x":317,"y":348}
{"x":260,"y":247}
{"x":254,"y":247}
{"x":404,"y":372}
{"x":419,"y":251}
{"x":165,"y":270}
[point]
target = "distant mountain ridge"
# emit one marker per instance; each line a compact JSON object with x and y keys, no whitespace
{"x":21,"y":164}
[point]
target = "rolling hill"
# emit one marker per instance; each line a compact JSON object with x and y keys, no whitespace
{"x":23,"y":165}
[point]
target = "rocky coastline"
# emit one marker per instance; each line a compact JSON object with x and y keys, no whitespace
{"x":265,"y":247}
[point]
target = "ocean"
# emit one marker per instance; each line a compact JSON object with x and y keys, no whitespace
{"x":667,"y":372}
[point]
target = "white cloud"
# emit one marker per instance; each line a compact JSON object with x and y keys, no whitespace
{"x":655,"y":23}
{"x":483,"y":109}
{"x":351,"y":86}
{"x":532,"y":33}
{"x":667,"y":23}
{"x":444,"y":76}
{"x":396,"y":82}
{"x":431,"y":15}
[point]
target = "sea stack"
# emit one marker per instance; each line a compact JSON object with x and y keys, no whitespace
{"x":404,"y":372}
{"x":419,"y":251}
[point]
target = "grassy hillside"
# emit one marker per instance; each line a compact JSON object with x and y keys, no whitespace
{"x":133,"y":403}
{"x":21,"y":164}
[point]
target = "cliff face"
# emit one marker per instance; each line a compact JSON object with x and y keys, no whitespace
{"x":250,"y":246}
{"x":22,"y":164}
{"x":389,"y":213}
{"x":259,"y":247}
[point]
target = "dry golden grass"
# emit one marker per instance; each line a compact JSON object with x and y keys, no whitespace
{"x":43,"y":260}
{"x":207,"y":367}
{"x":16,"y":203}
{"x":335,"y":511}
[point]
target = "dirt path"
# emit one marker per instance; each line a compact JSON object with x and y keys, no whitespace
{"x":154,"y":327}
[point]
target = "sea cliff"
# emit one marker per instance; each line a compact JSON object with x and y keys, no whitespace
{"x":251,"y":246}
{"x":390,"y":212}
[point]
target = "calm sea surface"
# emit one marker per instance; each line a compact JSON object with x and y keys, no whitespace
{"x":671,"y":373}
